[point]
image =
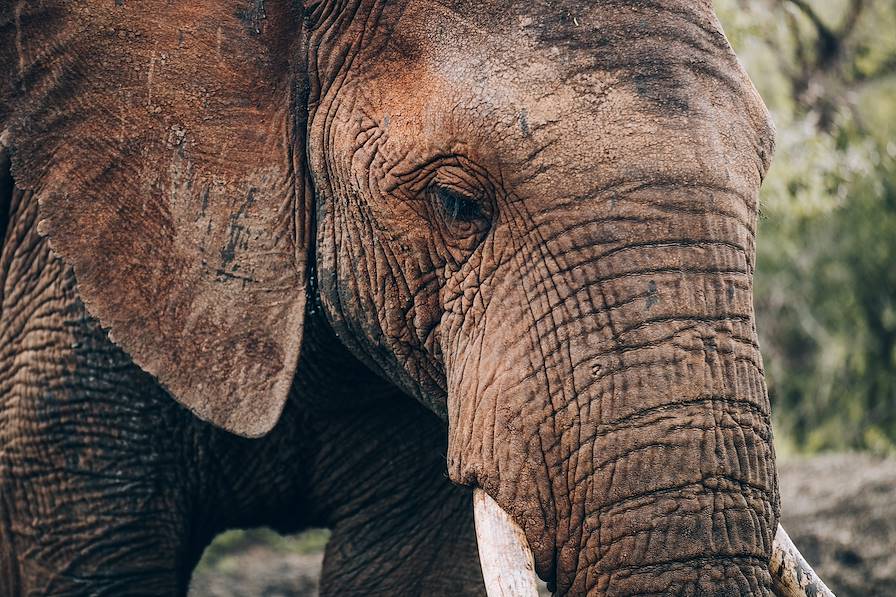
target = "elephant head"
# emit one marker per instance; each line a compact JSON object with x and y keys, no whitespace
{"x":537,"y":218}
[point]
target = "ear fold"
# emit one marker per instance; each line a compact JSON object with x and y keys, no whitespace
{"x":161,"y":140}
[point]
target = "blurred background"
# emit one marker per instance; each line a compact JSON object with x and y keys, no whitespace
{"x":825,"y":300}
{"x":826,"y":277}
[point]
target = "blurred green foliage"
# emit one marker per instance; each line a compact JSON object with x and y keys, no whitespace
{"x":219,"y":554}
{"x":826,"y":277}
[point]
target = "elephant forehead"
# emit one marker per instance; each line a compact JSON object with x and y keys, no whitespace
{"x":546,"y":43}
{"x":526,"y":88}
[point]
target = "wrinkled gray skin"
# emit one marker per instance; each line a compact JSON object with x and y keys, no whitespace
{"x":110,"y":487}
{"x":580,"y":342}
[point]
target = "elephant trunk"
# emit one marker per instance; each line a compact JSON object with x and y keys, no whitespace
{"x":611,"y":400}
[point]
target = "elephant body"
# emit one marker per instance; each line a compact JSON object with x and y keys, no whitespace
{"x":340,"y":263}
{"x":109,"y":487}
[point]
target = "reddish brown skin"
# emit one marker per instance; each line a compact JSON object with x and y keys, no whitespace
{"x":109,"y":487}
{"x":519,"y":235}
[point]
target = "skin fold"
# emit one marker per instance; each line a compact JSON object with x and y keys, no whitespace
{"x":508,"y":245}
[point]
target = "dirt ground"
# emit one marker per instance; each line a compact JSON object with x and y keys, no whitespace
{"x":840,"y":510}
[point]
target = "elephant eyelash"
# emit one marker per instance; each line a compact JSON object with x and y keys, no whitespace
{"x":457,"y":206}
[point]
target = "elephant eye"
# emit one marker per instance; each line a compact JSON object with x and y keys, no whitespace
{"x":461,"y":211}
{"x":457,"y":206}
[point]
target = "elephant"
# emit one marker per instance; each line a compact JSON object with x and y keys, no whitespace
{"x":349,"y":264}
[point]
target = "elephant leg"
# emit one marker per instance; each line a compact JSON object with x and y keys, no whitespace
{"x":400,"y":527}
{"x":89,"y":513}
{"x":93,"y":489}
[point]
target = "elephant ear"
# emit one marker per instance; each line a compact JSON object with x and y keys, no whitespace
{"x":161,"y":141}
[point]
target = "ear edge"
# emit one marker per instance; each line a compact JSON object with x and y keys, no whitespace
{"x":251,"y":398}
{"x":255,"y":409}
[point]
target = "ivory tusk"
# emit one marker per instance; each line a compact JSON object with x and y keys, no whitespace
{"x":507,"y":563}
{"x":791,"y":575}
